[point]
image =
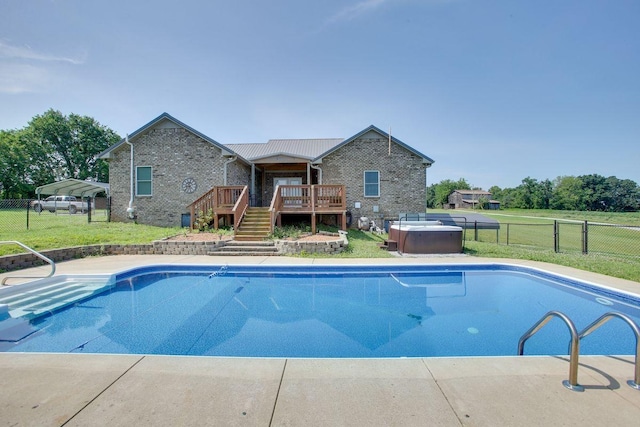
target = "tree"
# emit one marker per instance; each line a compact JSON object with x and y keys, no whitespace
{"x":443,"y":189}
{"x":567,"y":194}
{"x":66,"y":147}
{"x":15,"y":182}
{"x":624,"y":195}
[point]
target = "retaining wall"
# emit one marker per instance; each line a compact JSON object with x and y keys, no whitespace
{"x":161,"y":247}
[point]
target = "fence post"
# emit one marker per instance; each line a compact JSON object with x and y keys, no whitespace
{"x":475,"y":228}
{"x":28,"y":205}
{"x":556,"y":237}
{"x":585,"y":238}
{"x":507,"y":234}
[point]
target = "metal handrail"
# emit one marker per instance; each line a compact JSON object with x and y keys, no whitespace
{"x":635,"y":383}
{"x":574,"y":347}
{"x":36,"y":253}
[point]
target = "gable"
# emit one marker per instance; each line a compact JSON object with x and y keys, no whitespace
{"x":374,"y":132}
{"x":166,"y":121}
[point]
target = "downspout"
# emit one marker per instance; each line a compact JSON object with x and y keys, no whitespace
{"x":231,"y":160}
{"x":130,"y":209}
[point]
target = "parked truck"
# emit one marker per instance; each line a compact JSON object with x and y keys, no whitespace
{"x":66,"y":203}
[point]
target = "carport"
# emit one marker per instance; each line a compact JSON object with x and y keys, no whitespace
{"x":77,"y":188}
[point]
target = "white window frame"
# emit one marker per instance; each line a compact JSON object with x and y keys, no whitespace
{"x":150,"y":181}
{"x":364,"y":180}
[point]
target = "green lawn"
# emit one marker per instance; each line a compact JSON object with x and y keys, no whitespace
{"x":50,"y":231}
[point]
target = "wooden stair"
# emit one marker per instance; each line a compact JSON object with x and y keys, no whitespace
{"x":255,"y":226}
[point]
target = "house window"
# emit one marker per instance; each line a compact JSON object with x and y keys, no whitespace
{"x":371,"y":183}
{"x":143,"y":181}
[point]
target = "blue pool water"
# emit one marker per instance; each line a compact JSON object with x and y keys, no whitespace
{"x":348,"y":311}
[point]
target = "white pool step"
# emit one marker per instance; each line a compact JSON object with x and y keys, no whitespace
{"x":35,"y":299}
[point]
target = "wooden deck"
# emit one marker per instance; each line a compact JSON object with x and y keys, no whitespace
{"x":233,"y":201}
{"x":310,"y":200}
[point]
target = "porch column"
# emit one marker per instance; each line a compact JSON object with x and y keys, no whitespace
{"x":308,"y":173}
{"x":253,"y":199}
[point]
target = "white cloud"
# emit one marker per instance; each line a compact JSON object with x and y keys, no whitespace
{"x":25,"y":52}
{"x":352,"y":12}
{"x":21,"y":78}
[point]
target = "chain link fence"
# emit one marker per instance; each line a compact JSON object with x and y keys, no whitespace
{"x":17,"y":215}
{"x":560,"y":236}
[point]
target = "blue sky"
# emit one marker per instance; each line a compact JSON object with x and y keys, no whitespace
{"x":493,"y":91}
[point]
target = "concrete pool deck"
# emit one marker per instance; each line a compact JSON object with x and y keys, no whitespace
{"x":85,"y":389}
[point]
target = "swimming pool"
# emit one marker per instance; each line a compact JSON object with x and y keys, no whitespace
{"x":335,"y":312}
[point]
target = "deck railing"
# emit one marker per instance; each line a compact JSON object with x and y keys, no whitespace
{"x":218,"y":200}
{"x":308,"y":199}
{"x":287,"y":199}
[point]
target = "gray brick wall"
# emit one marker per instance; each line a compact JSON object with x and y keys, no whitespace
{"x":174,"y":155}
{"x":402,"y":177}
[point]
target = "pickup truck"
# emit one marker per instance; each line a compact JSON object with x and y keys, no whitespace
{"x":53,"y":203}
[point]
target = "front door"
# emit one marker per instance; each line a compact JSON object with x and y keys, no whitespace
{"x":292,"y":196}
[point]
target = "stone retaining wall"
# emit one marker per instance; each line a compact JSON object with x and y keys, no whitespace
{"x":162,"y":247}
{"x":290,"y":247}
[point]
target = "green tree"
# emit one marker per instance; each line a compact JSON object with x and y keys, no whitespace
{"x":567,"y":194}
{"x":66,"y":147}
{"x":15,"y":181}
{"x":443,"y":189}
{"x":624,"y":195}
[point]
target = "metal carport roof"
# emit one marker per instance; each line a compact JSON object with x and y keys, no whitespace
{"x":74,"y":187}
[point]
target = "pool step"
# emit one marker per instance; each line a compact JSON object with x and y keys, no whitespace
{"x":29,"y":302}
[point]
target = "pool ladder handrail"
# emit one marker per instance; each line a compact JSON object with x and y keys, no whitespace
{"x":635,"y":382}
{"x":34,"y":252}
{"x":574,"y":345}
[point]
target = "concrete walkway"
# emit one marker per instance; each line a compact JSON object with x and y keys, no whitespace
{"x":114,"y":390}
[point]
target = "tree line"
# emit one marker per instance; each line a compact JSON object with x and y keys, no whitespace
{"x":52,"y":147}
{"x":580,"y":193}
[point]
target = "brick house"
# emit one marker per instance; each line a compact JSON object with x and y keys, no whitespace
{"x":166,"y":171}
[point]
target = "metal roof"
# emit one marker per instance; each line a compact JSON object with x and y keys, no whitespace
{"x":74,"y":187}
{"x":472,"y":192}
{"x":303,"y":148}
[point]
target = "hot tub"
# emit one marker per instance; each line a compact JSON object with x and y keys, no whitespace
{"x":416,"y":237}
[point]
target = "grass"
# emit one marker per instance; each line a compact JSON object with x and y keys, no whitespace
{"x":50,"y":231}
{"x":613,"y":250}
